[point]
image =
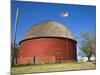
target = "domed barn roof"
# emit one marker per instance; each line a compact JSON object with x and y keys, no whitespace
{"x":48,"y":29}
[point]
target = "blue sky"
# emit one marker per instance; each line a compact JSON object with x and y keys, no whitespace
{"x":81,"y":18}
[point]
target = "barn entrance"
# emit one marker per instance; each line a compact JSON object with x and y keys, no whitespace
{"x":34,"y":60}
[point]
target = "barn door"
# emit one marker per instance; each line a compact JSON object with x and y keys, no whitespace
{"x":34,"y":60}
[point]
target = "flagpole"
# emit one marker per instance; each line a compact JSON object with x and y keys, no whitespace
{"x":15,"y":30}
{"x":15,"y":26}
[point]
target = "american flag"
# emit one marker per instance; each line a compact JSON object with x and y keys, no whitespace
{"x":64,"y":14}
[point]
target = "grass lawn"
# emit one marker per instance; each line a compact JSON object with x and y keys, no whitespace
{"x":52,"y":67}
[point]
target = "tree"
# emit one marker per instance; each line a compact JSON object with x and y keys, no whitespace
{"x":14,"y":54}
{"x":88,"y":44}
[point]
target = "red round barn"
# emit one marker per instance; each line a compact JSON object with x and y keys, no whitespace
{"x":47,"y":42}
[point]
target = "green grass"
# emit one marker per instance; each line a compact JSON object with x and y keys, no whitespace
{"x":52,"y":67}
